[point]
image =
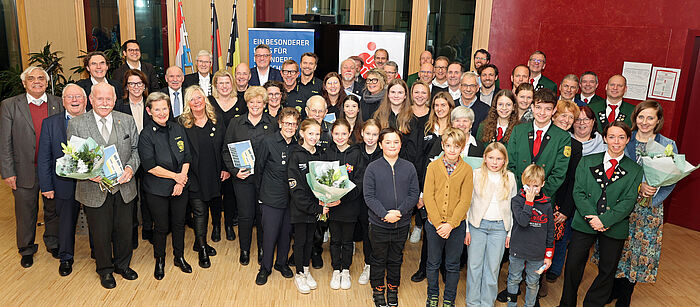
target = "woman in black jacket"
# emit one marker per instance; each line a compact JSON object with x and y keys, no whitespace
{"x":165,"y":156}
{"x":205,"y":132}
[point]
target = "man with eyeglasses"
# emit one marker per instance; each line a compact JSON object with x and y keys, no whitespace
{"x":391,"y":69}
{"x":425,"y":57}
{"x":203,"y":76}
{"x":481,"y":57}
{"x":469,"y":87}
{"x":95,"y":63}
{"x":537,"y":63}
{"x":359,"y":63}
{"x":426,"y":74}
{"x":262,"y":72}
{"x":568,"y":89}
{"x":440,"y":72}
{"x":588,"y":84}
{"x":381,"y":56}
{"x":488,"y":74}
{"x":309,"y":85}
{"x":290,"y":72}
{"x":131,"y":52}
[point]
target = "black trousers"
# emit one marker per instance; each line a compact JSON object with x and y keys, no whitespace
{"x":140,"y":203}
{"x":341,"y":244}
{"x":168,"y":211}
{"x":303,"y":243}
{"x":200,"y":214}
{"x":362,"y":233}
{"x":248,"y":214}
{"x":321,"y":228}
{"x":609,"y":250}
{"x":110,"y":229}
{"x":215,"y":208}
{"x":277,"y":229}
{"x":26,"y":211}
{"x":229,"y":203}
{"x":67,"y":210}
{"x":622,"y":290}
{"x":387,"y":254}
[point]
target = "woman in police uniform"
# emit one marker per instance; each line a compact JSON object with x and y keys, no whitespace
{"x":165,"y":156}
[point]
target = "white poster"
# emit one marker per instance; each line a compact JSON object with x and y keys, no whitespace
{"x":637,"y":75}
{"x":365,"y":43}
{"x":664,"y":83}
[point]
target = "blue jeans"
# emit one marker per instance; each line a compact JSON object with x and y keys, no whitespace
{"x":560,"y":249}
{"x":452,"y":248}
{"x":484,"y":261}
{"x":532,"y":279}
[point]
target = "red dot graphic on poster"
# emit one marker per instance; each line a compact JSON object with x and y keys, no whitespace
{"x":367,"y":59}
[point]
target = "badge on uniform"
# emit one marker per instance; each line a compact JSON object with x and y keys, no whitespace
{"x":298,"y":108}
{"x":349,"y":167}
{"x":181,"y":145}
{"x":265,"y":127}
{"x":302,"y":166}
{"x":567,"y":151}
{"x":292,"y":183}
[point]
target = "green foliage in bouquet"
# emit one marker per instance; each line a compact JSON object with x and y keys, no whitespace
{"x":332,"y":178}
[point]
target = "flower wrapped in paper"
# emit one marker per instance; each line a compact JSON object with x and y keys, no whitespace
{"x":84,"y":159}
{"x":328,"y":181}
{"x":662,"y":167}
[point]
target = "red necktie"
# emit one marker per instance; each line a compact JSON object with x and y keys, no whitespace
{"x":609,"y":172}
{"x":585,"y":100}
{"x":532,"y":81}
{"x":500,"y":134}
{"x":536,"y":145}
{"x":611,"y":116}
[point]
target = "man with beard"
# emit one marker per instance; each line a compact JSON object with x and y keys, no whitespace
{"x":309,"y":85}
{"x":488,"y":74}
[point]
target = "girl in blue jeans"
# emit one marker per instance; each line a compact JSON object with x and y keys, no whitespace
{"x":490,"y":220}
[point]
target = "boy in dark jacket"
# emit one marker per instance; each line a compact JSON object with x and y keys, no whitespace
{"x":532,"y":236}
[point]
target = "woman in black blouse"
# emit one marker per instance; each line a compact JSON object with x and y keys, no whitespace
{"x":165,"y":156}
{"x":276,"y":96}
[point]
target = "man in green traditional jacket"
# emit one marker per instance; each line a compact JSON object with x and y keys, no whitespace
{"x":537,"y":63}
{"x":613,"y":108}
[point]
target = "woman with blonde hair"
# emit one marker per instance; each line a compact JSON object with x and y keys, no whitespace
{"x":373,"y":93}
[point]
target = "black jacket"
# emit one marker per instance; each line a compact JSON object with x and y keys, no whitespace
{"x":351,"y":158}
{"x":390,"y":188}
{"x":217,"y":140}
{"x":304,"y":207}
{"x":241,"y":129}
{"x":146,"y":68}
{"x":565,"y":195}
{"x":193,"y":79}
{"x":271,"y":161}
{"x":86,"y":84}
{"x":533,"y":227}
{"x":481,"y":110}
{"x":165,"y":146}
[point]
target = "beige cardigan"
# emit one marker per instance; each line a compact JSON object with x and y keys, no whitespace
{"x":481,"y":198}
{"x":447,"y":198}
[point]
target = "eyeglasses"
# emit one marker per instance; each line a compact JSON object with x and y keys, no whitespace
{"x":316,"y":111}
{"x":275,"y":94}
{"x":469,"y":85}
{"x":536,"y":61}
{"x":584,"y":120}
{"x":134,"y":84}
{"x":440,"y":67}
{"x":263,"y":55}
{"x":133,"y":50}
{"x":289,"y":72}
{"x":76,"y":97}
{"x":372,"y":81}
{"x":203,"y":62}
{"x":289,"y":124}
{"x":480,"y":58}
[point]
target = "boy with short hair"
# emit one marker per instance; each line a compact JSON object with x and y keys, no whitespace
{"x":532,"y":236}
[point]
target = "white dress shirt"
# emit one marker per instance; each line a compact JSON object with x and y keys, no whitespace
{"x":205,"y":83}
{"x":99,"y":123}
{"x":263,"y":77}
{"x":37,"y":101}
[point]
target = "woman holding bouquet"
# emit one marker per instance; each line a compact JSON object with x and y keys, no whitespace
{"x":640,"y":256}
{"x":165,"y":156}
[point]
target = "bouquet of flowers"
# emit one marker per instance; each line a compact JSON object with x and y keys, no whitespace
{"x":328,"y":181}
{"x":83,"y":159}
{"x":662,"y":167}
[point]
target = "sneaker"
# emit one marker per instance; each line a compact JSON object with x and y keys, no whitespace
{"x":353,"y":248}
{"x":310,"y":281}
{"x":392,"y":295}
{"x":432,"y":301}
{"x":415,"y":235}
{"x":300,"y":282}
{"x":378,"y":297}
{"x":364,"y":277}
{"x":335,"y":280}
{"x":448,"y":303}
{"x":345,"y":281}
{"x":326,"y":236}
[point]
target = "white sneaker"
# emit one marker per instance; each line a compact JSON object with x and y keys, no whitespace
{"x":300,"y":282}
{"x":353,"y":248}
{"x":326,"y":236}
{"x":415,"y":234}
{"x":310,"y":281}
{"x":345,"y":281}
{"x":364,"y":277}
{"x":335,"y":280}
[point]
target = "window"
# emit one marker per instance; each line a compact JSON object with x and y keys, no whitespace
{"x":150,"y":18}
{"x":10,"y":53}
{"x":450,"y":29}
{"x":340,"y":8}
{"x":101,"y":24}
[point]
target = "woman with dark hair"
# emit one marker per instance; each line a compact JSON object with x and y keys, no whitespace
{"x":350,"y":110}
{"x":333,"y":93}
{"x":523,"y":95}
{"x":373,"y":93}
{"x":276,"y":96}
{"x":500,"y":121}
{"x":584,"y":132}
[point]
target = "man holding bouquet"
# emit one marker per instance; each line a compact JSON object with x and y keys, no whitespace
{"x":109,"y":211}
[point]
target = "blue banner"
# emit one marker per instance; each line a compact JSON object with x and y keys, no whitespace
{"x":284,"y":44}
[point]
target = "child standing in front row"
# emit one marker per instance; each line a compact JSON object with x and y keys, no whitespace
{"x":532,"y":243}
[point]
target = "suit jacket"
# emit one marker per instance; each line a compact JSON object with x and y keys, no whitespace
{"x":620,"y":193}
{"x":18,"y":138}
{"x":193,"y":79}
{"x":554,"y":154}
{"x":546,"y":83}
{"x":274,"y":75}
{"x":53,"y":133}
{"x":86,"y":84}
{"x":126,"y":139}
{"x":146,"y":68}
{"x":599,"y":110}
{"x":595,"y":98}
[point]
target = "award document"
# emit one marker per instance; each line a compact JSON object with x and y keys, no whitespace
{"x":242,"y":155}
{"x":112,"y":167}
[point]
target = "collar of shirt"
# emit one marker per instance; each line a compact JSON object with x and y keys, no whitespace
{"x":204,"y":79}
{"x":42,"y":99}
{"x":544,"y":130}
{"x":131,"y":67}
{"x":438,"y":84}
{"x":537,"y":80}
{"x":455,"y":94}
{"x":99,"y":124}
{"x":171,"y":91}
{"x":608,"y":103}
{"x":469,"y":104}
{"x":450,"y":166}
{"x":94,"y":81}
{"x":589,"y":98}
{"x":506,"y":127}
{"x":261,"y":73}
{"x":607,"y":158}
{"x":68,"y":116}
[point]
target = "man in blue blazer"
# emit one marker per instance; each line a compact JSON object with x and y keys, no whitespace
{"x":262,"y":72}
{"x":60,"y":190}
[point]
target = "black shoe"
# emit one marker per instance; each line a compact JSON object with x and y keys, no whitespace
{"x":54,"y":252}
{"x":147,"y":235}
{"x":107,"y":281}
{"x":27,"y":261}
{"x":159,"y":271}
{"x":204,"y":261}
{"x":290,"y":260}
{"x":551,"y":277}
{"x":182,"y":264}
{"x":378,"y":297}
{"x":127,"y":273}
{"x":230,"y":234}
{"x":261,"y":279}
{"x":245,"y":257}
{"x":92,"y":254}
{"x":503,"y":295}
{"x":210,"y":250}
{"x":316,"y":261}
{"x":216,"y":233}
{"x":260,"y":255}
{"x":418,"y":276}
{"x":66,"y":267}
{"x":234,"y":221}
{"x":432,"y":301}
{"x":285,"y":270}
{"x":392,"y":295}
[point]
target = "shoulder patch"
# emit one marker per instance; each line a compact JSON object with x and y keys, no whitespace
{"x":567,"y":151}
{"x":292,"y":183}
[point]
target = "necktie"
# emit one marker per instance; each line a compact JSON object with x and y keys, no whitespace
{"x":585,"y":100}
{"x":611,"y":116}
{"x":176,"y":104}
{"x":536,"y":145}
{"x":532,"y":81}
{"x":500,"y":134}
{"x":104,"y":131}
{"x":609,"y":172}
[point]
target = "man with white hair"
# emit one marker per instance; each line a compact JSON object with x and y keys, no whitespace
{"x":203,"y":76}
{"x":347,"y":74}
{"x":20,"y":129}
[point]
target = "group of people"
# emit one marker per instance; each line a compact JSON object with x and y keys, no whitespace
{"x":557,"y":174}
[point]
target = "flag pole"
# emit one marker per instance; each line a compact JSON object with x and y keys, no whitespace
{"x":229,"y":60}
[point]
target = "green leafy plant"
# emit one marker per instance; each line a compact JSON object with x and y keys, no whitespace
{"x":114,"y":60}
{"x":50,"y":61}
{"x":10,"y":83}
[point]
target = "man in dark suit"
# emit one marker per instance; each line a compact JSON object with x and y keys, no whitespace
{"x":174,"y":78}
{"x":96,"y":65}
{"x":469,"y":86}
{"x":263,"y":72}
{"x":488,"y":74}
{"x":588,"y":84}
{"x":109,"y":213}
{"x":613,"y":108}
{"x":242,"y":76}
{"x":568,"y":88}
{"x":202,"y":77}
{"x":60,"y":190}
{"x":519,"y":75}
{"x":347,"y":73}
{"x":537,"y":63}
{"x":20,"y":128}
{"x":454,"y":74}
{"x":131,"y":51}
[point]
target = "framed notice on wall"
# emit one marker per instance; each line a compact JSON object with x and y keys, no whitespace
{"x":664,"y":83}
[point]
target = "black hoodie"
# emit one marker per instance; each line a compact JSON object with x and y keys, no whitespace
{"x":351,"y":158}
{"x":532,"y":235}
{"x":304,"y":207}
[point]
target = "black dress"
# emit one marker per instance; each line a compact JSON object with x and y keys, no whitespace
{"x":209,"y":186}
{"x":239,"y":108}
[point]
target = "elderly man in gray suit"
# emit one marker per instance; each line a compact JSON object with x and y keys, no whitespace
{"x":109,"y":213}
{"x":20,"y":128}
